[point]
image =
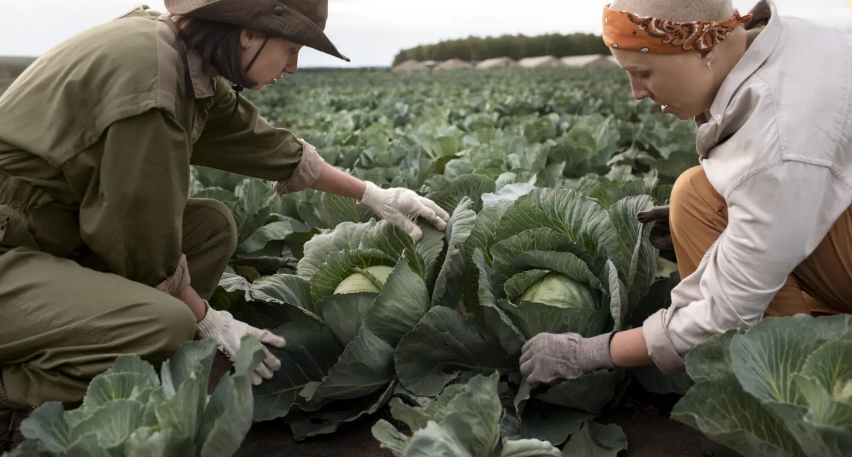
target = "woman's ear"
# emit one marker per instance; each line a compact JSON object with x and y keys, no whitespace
{"x":246,"y":37}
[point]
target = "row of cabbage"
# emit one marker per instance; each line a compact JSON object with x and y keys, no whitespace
{"x":543,"y":174}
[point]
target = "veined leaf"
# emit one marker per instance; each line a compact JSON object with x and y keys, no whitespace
{"x":345,"y":237}
{"x":445,"y":341}
{"x":450,"y":282}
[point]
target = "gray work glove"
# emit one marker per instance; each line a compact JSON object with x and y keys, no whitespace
{"x":548,"y":357}
{"x":661,"y":234}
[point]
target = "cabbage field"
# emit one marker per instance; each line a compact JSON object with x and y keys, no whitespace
{"x":543,"y":173}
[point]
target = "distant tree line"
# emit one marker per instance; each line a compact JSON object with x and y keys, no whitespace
{"x":11,"y":67}
{"x":514,"y":46}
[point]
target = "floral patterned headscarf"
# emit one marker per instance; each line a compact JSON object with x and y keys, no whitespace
{"x":632,"y":32}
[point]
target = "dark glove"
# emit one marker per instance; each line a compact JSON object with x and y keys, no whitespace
{"x":661,"y":235}
{"x":760,"y":15}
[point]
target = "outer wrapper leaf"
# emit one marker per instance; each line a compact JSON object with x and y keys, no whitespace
{"x":445,"y":341}
{"x":596,"y":440}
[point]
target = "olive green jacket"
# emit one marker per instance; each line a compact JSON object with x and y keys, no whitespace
{"x":106,"y":125}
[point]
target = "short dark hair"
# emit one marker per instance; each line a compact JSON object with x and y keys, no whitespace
{"x":218,"y":43}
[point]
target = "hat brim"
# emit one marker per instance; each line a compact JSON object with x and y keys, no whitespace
{"x":261,"y":16}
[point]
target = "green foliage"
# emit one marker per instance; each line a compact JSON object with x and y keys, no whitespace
{"x":779,"y":389}
{"x":462,"y":421}
{"x":514,"y":46}
{"x":128,"y":411}
{"x":543,"y":174}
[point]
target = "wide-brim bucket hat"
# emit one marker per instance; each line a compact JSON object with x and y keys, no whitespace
{"x":301,"y":21}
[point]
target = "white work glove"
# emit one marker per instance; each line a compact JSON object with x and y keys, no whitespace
{"x":228,"y":332}
{"x":396,"y":204}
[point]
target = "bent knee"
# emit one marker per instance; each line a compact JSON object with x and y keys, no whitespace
{"x":216,"y":218}
{"x":694,"y":197}
{"x":171,"y":324}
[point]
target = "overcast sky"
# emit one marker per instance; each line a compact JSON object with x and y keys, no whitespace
{"x":370,"y":32}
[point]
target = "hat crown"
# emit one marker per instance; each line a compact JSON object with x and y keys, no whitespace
{"x":304,"y":20}
{"x":315,"y":10}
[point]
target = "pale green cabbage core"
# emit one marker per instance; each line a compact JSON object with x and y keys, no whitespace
{"x":560,"y":291}
{"x":843,"y":391}
{"x":357,"y":282}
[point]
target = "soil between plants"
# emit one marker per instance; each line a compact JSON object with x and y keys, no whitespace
{"x":644,"y":417}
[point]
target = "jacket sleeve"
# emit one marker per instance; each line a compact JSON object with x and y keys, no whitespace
{"x":237,"y":139}
{"x":132,"y":186}
{"x":773,"y":226}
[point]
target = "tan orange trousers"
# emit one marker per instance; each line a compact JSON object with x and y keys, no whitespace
{"x":820,"y":285}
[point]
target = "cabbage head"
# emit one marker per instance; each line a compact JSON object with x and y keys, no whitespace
{"x":560,"y":262}
{"x":552,"y":261}
{"x":560,"y":291}
{"x":363,"y":282}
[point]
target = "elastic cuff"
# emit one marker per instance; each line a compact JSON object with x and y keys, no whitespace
{"x":660,"y":347}
{"x":207,"y":325}
{"x":370,"y":198}
{"x":178,"y":281}
{"x":306,"y":174}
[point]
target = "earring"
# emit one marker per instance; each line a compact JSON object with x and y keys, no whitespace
{"x":708,"y":64}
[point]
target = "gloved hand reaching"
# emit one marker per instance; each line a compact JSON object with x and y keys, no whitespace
{"x":661,"y":234}
{"x":548,"y":357}
{"x":395,"y":205}
{"x":228,"y":333}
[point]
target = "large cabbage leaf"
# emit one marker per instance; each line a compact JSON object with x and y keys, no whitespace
{"x":463,"y":421}
{"x":129,"y":411}
{"x":779,"y":388}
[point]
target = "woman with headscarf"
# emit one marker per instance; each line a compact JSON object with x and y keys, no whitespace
{"x":763,"y":227}
{"x":102,"y":253}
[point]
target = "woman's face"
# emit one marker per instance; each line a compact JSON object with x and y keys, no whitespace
{"x":681,"y":84}
{"x":278,"y":57}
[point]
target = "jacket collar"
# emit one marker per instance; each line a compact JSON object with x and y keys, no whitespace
{"x":202,"y":81}
{"x":709,"y":129}
{"x":201,"y":78}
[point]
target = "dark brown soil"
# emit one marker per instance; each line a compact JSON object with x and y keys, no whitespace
{"x":643,"y":417}
{"x":650,"y":432}
{"x":274,"y":439}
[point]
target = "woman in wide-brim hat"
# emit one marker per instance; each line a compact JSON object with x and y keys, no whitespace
{"x":762,"y":227}
{"x":102,"y":253}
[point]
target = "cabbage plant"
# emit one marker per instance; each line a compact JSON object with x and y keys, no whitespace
{"x":357,"y":291}
{"x":465,"y":421}
{"x":551,"y":261}
{"x":462,"y":421}
{"x":782,"y":388}
{"x":128,"y":410}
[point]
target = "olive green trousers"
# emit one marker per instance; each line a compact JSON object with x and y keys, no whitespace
{"x":62,"y":324}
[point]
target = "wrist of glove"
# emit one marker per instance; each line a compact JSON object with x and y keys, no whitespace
{"x":397,"y":204}
{"x":228,"y":333}
{"x":549,"y":357}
